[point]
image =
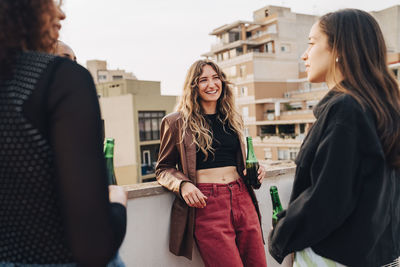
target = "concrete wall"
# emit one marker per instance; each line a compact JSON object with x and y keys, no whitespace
{"x":389,"y":21}
{"x":146,"y":242}
{"x":118,"y":115}
{"x":267,"y":69}
{"x":120,"y":103}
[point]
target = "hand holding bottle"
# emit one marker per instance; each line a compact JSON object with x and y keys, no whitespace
{"x":117,"y":194}
{"x":252,"y":166}
{"x":261,"y":173}
{"x":193,"y":196}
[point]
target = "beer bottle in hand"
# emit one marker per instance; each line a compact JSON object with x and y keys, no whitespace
{"x":276,"y":204}
{"x":251,"y":165}
{"x":109,"y":156}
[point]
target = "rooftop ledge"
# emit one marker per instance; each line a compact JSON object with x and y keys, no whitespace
{"x":154,"y":188}
{"x":149,"y":209}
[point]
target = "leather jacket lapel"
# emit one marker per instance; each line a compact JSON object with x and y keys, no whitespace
{"x":190,"y":148}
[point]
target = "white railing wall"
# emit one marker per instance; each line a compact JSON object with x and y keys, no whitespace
{"x":149,"y":207}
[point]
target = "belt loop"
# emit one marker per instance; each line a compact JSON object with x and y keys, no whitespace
{"x":239,"y":184}
{"x":214,"y":190}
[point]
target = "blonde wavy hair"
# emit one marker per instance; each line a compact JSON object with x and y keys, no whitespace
{"x":192,"y":112}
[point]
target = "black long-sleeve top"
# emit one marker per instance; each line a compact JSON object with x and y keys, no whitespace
{"x":345,"y":202}
{"x":54,"y":205}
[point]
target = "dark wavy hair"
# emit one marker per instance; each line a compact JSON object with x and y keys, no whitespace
{"x":22,"y":27}
{"x":357,"y":42}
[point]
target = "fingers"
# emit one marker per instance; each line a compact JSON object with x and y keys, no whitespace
{"x":261,"y":174}
{"x":195,"y":198}
{"x":198,"y":201}
{"x":118,"y":194}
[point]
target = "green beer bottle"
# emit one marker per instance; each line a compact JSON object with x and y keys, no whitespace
{"x":109,"y":156}
{"x":251,"y":165}
{"x":276,"y":204}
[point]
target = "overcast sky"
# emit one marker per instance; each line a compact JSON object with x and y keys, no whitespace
{"x":159,"y":39}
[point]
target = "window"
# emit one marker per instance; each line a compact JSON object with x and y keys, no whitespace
{"x":283,"y":154}
{"x":245,"y":112}
{"x":307,"y":86}
{"x":286,"y":129}
{"x":117,"y":77}
{"x":235,"y":90}
{"x":302,"y":128}
{"x":234,"y":36}
{"x":225,"y":55}
{"x":149,"y":124}
{"x":242,"y":71}
{"x":395,"y":71}
{"x":243,"y":91}
{"x":232,"y":53}
{"x":246,"y":131}
{"x":146,"y":157}
{"x":148,"y":160}
{"x":231,"y":71}
{"x":102,"y":77}
{"x":269,"y":47}
{"x":267,"y":153}
{"x":268,"y":130}
{"x":285,"y":48}
{"x":293,"y":153}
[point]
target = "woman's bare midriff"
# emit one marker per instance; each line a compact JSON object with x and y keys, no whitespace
{"x":221,"y":175}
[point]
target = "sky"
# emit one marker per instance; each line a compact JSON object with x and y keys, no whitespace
{"x":158,"y":40}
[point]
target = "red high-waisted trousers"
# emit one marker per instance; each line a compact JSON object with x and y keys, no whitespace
{"x":227,"y":230}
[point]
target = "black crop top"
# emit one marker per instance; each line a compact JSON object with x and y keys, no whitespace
{"x":225,"y":143}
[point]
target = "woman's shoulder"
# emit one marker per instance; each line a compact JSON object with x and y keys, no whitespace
{"x":173,"y":118}
{"x":348,"y":110}
{"x":71,"y":68}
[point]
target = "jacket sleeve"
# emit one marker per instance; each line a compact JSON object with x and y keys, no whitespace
{"x":328,"y":201}
{"x":166,"y":171}
{"x":95,"y":228}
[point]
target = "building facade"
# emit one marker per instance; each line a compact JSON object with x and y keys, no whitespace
{"x":132,"y":111}
{"x":100,"y":73}
{"x":262,"y":58}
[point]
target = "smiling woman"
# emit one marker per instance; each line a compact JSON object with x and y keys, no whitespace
{"x":204,"y":138}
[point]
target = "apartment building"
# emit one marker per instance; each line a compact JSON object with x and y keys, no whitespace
{"x":263,"y":60}
{"x":101,"y":74}
{"x":132,"y":111}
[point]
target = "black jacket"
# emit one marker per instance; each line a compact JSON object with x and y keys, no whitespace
{"x":345,"y":202}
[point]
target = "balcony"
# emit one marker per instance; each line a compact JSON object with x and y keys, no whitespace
{"x":297,"y":114}
{"x":149,"y":207}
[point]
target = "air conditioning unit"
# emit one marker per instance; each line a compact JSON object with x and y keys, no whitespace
{"x":270,"y":116}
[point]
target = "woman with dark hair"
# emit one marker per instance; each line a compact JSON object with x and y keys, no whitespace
{"x":55,"y":208}
{"x":345,"y":204}
{"x":212,"y":205}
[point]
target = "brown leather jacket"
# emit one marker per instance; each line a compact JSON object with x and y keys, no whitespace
{"x":177,"y":163}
